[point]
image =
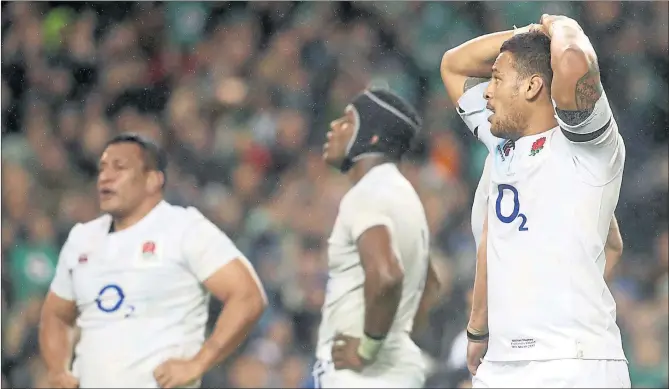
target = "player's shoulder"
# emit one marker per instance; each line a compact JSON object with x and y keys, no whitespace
{"x":181,"y":216}
{"x":85,"y":231}
{"x":373,"y":185}
{"x":384,"y":187}
{"x":359,"y":197}
{"x":193,"y":229}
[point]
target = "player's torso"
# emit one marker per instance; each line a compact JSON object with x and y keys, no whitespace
{"x":343,"y":309}
{"x":546,"y":233}
{"x":138,"y":302}
{"x":132,"y":276}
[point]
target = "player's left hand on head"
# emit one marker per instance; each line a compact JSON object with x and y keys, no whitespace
{"x":176,"y":373}
{"x":345,"y":353}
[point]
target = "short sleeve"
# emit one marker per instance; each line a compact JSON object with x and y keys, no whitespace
{"x":62,"y":285}
{"x":206,"y":248}
{"x":595,"y":144}
{"x":363,"y":215}
{"x":472,"y":109}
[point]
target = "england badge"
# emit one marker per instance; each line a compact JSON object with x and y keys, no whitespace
{"x":149,"y":250}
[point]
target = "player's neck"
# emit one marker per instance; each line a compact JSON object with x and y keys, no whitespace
{"x":542,"y":120}
{"x":127,"y":221}
{"x":364,"y":165}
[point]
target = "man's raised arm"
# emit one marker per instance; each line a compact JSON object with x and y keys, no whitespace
{"x":582,"y":110}
{"x":466,"y":70}
{"x":576,"y":81}
{"x":470,"y":64}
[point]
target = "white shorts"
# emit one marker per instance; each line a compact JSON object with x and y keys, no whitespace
{"x":325,"y":376}
{"x":559,"y":373}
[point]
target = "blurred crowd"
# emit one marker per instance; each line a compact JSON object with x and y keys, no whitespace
{"x":241,"y":94}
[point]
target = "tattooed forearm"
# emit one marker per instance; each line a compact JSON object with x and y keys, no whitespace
{"x":472,"y":82}
{"x":588,"y":89}
{"x":573,"y":118}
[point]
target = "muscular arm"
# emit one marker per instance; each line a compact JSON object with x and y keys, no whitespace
{"x":236,"y":285}
{"x":478,"y":319}
{"x":428,"y":300}
{"x":613,"y":249}
{"x":576,"y":85}
{"x":383,"y":280}
{"x":470,"y":64}
{"x":56,"y":332}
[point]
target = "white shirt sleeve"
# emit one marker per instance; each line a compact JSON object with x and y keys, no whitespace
{"x":62,"y":285}
{"x":362,"y":214}
{"x":595,"y":144}
{"x":472,"y":109}
{"x":206,"y":248}
{"x":480,"y":205}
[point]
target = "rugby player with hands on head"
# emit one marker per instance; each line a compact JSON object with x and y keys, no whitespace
{"x":542,"y":313}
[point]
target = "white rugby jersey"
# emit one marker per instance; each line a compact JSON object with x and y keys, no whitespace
{"x":139,"y":292}
{"x":480,"y":204}
{"x":551,"y":199}
{"x":382,"y":197}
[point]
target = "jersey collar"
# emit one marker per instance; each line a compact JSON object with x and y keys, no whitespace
{"x":143,"y":221}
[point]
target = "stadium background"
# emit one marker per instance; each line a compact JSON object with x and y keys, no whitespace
{"x":241,"y":95}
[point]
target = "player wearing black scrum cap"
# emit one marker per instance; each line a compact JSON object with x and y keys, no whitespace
{"x":380,"y":278}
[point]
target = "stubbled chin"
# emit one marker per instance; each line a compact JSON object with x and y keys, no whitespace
{"x":495,"y":132}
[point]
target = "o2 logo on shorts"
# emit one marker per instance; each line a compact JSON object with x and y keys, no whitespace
{"x":515,"y":214}
{"x":110,"y":299}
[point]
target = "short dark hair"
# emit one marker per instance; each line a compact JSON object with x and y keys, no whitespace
{"x":532,"y":55}
{"x":155,"y":158}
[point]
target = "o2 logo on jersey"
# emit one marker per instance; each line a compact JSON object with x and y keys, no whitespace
{"x":515,"y":214}
{"x":110,"y":299}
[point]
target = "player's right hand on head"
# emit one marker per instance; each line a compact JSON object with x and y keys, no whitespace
{"x":547,"y":21}
{"x":475,"y":352}
{"x":534,"y":27}
{"x":63,"y":380}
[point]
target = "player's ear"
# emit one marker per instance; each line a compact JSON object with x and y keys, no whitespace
{"x":534,"y":86}
{"x":155,"y":180}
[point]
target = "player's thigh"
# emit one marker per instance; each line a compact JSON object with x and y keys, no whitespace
{"x":326,"y":377}
{"x":519,"y":374}
{"x":351,"y":379}
{"x":490,"y":375}
{"x":578,"y":373}
{"x":565,"y":373}
{"x":598,"y":374}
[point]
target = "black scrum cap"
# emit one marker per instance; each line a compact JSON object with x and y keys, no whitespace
{"x":384,"y":114}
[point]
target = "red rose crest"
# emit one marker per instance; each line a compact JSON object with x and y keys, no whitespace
{"x":148,"y":249}
{"x":537,"y":146}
